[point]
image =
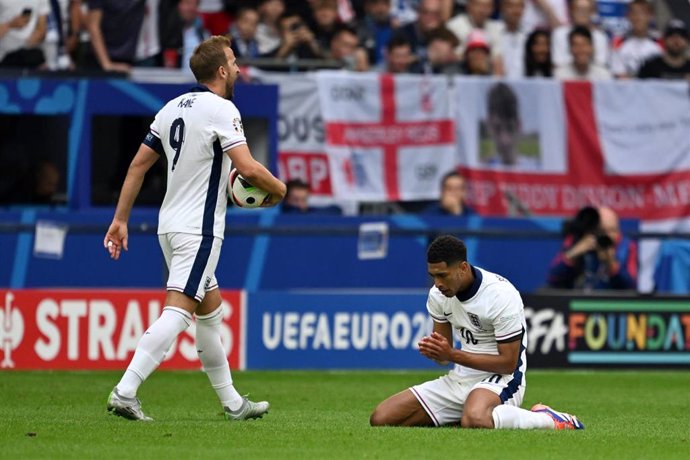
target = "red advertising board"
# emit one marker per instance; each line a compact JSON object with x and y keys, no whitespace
{"x":98,"y":329}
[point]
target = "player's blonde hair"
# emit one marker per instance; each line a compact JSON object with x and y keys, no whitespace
{"x":208,"y":56}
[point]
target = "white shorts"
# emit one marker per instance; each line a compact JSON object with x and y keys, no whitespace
{"x":444,"y":398}
{"x":191,"y":261}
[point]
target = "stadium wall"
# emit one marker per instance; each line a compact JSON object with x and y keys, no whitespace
{"x":266,"y":250}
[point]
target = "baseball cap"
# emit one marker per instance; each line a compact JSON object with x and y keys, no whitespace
{"x":477,"y":39}
{"x":676,"y":26}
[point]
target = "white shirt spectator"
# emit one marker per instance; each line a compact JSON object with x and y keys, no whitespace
{"x":15,"y":39}
{"x":630,"y":52}
{"x":560,"y":47}
{"x":461,"y":26}
{"x":513,"y":51}
{"x":569,"y":72}
{"x":534,"y":17}
{"x":149,"y":43}
{"x":267,"y":38}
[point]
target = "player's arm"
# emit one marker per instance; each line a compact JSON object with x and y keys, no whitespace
{"x":438,"y":348}
{"x":256,"y":173}
{"x":116,"y":237}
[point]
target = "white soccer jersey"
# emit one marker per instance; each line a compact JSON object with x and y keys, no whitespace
{"x":193,"y":131}
{"x":489,"y":312}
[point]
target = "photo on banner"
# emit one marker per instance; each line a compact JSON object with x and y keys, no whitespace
{"x":511,"y":125}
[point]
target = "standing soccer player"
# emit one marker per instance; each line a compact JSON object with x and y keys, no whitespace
{"x":201,"y":135}
{"x":486,"y":387}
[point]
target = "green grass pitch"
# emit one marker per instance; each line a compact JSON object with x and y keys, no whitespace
{"x":325,"y":415}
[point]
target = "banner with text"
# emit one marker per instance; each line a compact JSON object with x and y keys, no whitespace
{"x":555,"y":147}
{"x":336,"y":331}
{"x":595,"y":332}
{"x":81,"y":329}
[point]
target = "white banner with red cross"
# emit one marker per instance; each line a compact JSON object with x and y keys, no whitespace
{"x":567,"y":145}
{"x":387,"y":138}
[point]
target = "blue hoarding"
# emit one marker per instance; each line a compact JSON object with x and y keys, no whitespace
{"x":336,"y":331}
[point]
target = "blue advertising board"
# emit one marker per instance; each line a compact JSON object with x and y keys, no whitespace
{"x":336,"y":331}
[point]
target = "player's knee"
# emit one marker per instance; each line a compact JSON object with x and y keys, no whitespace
{"x":474,"y":418}
{"x":377,"y":418}
{"x":380,"y":417}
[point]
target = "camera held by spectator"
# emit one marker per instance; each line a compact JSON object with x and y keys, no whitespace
{"x":587,"y":222}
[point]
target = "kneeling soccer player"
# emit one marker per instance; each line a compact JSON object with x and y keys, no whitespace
{"x":486,"y":387}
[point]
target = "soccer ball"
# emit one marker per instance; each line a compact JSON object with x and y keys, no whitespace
{"x":244,"y":194}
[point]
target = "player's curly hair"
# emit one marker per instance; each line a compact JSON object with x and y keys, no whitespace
{"x":208,"y":56}
{"x":448,"y":249}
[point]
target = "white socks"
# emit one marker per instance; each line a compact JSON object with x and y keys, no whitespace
{"x":152,"y":347}
{"x":510,"y":417}
{"x":213,"y":358}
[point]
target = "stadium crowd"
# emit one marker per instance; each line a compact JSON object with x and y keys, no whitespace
{"x":567,"y":39}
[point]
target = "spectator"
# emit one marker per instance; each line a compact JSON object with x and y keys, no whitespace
{"x":544,"y":14}
{"x":243,"y":32}
{"x":60,"y":41}
{"x":324,"y":21}
{"x":441,"y":57}
{"x":376,"y":28}
{"x":594,"y":254}
{"x":399,"y":57}
{"x":296,"y":200}
{"x":429,"y":18}
{"x":582,"y":66}
{"x":114,"y":27}
{"x":148,"y":52}
{"x":673,"y":64}
{"x":581,"y":14}
{"x":504,"y":130}
{"x":478,"y":17}
{"x":639,"y":45}
{"x":345,"y":48}
{"x":23,"y":25}
{"x":538,"y":54}
{"x":452,"y":200}
{"x":512,"y":39}
{"x":182,"y":31}
{"x":268,"y":32}
{"x":297,"y":41}
{"x":477,"y":55}
{"x":46,"y":184}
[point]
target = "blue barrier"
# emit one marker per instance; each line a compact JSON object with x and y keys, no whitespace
{"x":294,"y":252}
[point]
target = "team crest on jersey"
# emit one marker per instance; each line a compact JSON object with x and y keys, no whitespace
{"x":474,"y":319}
{"x":237,"y":124}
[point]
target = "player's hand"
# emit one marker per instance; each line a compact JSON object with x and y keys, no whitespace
{"x":436,"y":347}
{"x":116,"y":239}
{"x":271,"y":200}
